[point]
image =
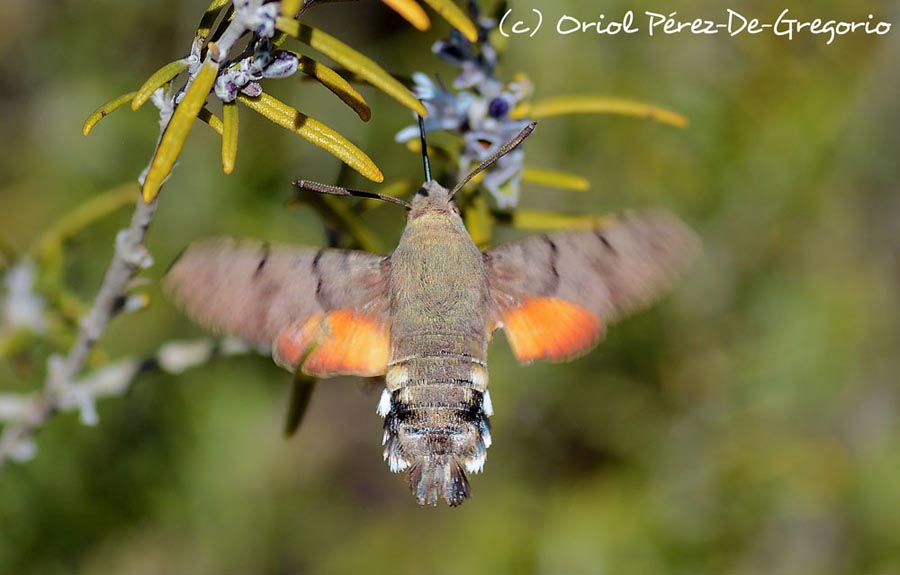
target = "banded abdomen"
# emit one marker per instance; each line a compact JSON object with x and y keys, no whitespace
{"x":435,"y":404}
{"x":436,"y":408}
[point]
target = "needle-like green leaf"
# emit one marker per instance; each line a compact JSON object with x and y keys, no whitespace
{"x":336,"y":83}
{"x":209,"y":17}
{"x":172,"y":141}
{"x":453,"y":14}
{"x":411,"y":12}
{"x":157,"y":79}
{"x":49,"y":247}
{"x":315,"y":132}
{"x":361,"y":65}
{"x":287,"y":25}
{"x":479,"y":221}
{"x":105,"y":110}
{"x":229,"y":136}
{"x":555,"y":179}
{"x":540,"y":220}
{"x":83,"y":217}
{"x":597,"y":105}
{"x":212,"y":121}
{"x":290,"y":8}
{"x":338,"y":212}
{"x":301,"y":394}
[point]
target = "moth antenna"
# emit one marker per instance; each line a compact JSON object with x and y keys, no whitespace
{"x":502,"y":151}
{"x":338,"y":191}
{"x":425,"y":159}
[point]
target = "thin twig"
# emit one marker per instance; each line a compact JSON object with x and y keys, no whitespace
{"x":129,"y":258}
{"x":24,"y":414}
{"x":61,"y":391}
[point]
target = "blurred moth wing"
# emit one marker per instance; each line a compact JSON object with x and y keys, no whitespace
{"x":325,"y":309}
{"x":555,"y":293}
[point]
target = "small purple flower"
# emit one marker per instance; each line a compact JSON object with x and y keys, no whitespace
{"x":285,"y":64}
{"x":261,"y":19}
{"x":477,"y":108}
{"x":225,"y":88}
{"x":253,"y":89}
{"x":498,"y":108}
{"x":256,"y":66}
{"x":241,"y":77}
{"x":244,"y":76}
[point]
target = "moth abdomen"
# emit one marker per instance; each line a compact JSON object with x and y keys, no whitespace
{"x":437,"y":432}
{"x":436,"y":476}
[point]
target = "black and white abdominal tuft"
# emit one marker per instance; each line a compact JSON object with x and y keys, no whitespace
{"x":437,"y":444}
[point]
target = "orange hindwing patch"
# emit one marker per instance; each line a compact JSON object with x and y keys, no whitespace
{"x":339,"y":343}
{"x":550,"y":328}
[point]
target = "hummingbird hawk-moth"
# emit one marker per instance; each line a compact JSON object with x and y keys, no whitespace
{"x":423,"y":315}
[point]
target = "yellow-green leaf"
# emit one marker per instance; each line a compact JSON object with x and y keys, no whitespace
{"x":337,"y":84}
{"x":337,"y":211}
{"x":555,"y":179}
{"x":315,"y":132}
{"x":84,"y":216}
{"x":212,"y":121}
{"x":209,"y":17}
{"x":105,"y":110}
{"x":289,"y":26}
{"x":540,"y":220}
{"x":16,"y":341}
{"x":361,"y":65}
{"x":229,"y":136}
{"x":358,"y":230}
{"x":411,"y":12}
{"x":172,"y":141}
{"x":597,"y":105}
{"x":456,"y":17}
{"x":290,"y":8}
{"x":480,"y":222}
{"x":278,"y":39}
{"x":157,"y":79}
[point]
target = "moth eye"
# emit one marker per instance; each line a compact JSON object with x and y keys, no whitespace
{"x":455,"y":209}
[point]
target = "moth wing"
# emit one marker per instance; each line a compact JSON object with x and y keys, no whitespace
{"x":554,"y":294}
{"x":325,"y":308}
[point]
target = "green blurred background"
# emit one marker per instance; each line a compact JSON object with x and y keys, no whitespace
{"x":748,"y":424}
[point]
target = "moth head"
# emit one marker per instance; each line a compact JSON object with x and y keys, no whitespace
{"x":432,"y":198}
